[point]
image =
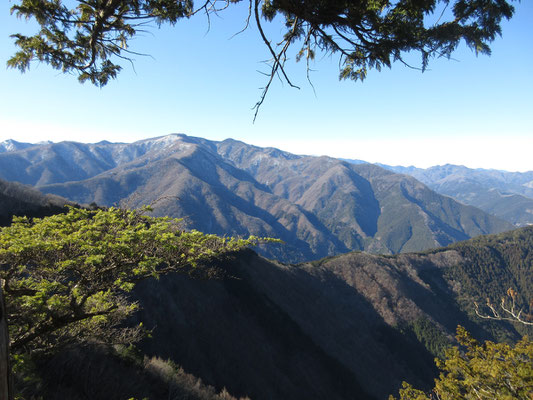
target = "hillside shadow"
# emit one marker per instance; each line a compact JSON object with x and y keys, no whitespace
{"x":347,"y":327}
{"x":271,"y":331}
{"x":230,"y":335}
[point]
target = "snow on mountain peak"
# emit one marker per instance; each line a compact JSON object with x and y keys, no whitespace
{"x":12,"y":145}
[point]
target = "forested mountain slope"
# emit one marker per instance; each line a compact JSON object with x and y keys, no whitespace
{"x":381,"y":318}
{"x":347,"y":327}
{"x":508,"y":195}
{"x":22,"y":200}
{"x":319,"y":206}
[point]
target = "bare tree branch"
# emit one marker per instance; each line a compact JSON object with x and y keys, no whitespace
{"x":510,"y":313}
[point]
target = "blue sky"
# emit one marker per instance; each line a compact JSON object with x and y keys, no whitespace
{"x":475,"y":111}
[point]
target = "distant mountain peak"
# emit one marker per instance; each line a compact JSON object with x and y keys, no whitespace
{"x":508,"y":195}
{"x":168,"y":139}
{"x":13,"y":145}
{"x":9,"y":144}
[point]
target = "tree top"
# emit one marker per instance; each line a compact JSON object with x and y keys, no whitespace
{"x":91,"y":37}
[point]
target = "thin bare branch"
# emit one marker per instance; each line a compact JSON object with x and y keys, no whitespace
{"x":510,"y":314}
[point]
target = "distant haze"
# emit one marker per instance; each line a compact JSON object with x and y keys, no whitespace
{"x":511,"y":153}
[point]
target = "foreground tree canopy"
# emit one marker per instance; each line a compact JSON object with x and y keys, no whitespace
{"x":66,"y":277}
{"x":89,"y":37}
{"x":488,"y":371}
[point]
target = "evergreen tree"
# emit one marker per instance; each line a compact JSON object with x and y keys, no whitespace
{"x":488,"y":371}
{"x":88,"y":37}
{"x":66,"y":277}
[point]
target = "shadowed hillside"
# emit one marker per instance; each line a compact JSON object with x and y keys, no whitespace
{"x":269,"y":330}
{"x":22,"y":200}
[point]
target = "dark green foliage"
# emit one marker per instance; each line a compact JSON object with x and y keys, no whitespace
{"x":65,"y":277}
{"x":488,"y":371}
{"x":87,"y":37}
{"x":84,"y":38}
{"x":430,"y":336}
{"x":493,"y":264}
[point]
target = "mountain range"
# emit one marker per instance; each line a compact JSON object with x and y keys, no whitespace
{"x":508,"y":195}
{"x":351,"y":326}
{"x":318,"y":206}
